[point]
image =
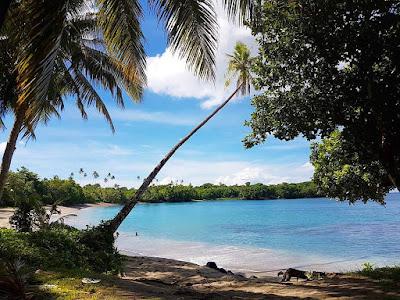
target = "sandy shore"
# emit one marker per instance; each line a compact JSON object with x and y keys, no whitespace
{"x":66,"y":211}
{"x":172,"y":279}
{"x":163,"y":278}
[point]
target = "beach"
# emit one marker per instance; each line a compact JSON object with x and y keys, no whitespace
{"x":146,"y":274}
{"x":65,"y":212}
{"x":172,"y":279}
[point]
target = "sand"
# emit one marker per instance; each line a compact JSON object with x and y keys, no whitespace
{"x":171,"y":279}
{"x":161,"y":278}
{"x":66,"y":211}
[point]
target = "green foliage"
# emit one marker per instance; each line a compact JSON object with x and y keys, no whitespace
{"x":208,"y":191}
{"x":239,"y":67}
{"x":367,"y":267}
{"x":102,"y":255}
{"x":65,"y":191}
{"x":60,"y":246}
{"x":26,"y":190}
{"x":334,"y":69}
{"x":339,"y":172}
{"x":95,"y":193}
{"x":21,"y":185}
{"x":17,"y":245}
{"x":385,"y":274}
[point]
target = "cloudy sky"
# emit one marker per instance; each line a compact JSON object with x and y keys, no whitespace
{"x":174,"y":101}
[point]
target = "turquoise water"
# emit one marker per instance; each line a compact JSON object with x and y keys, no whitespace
{"x":306,"y":227}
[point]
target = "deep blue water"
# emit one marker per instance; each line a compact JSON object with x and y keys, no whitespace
{"x":308,"y":226}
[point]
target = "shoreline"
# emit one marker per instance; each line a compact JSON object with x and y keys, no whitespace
{"x":66,"y":211}
{"x":245,"y":260}
{"x":251,"y":261}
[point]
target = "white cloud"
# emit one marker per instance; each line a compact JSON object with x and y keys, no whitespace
{"x":234,"y":172}
{"x":268,"y":174}
{"x":168,"y":75}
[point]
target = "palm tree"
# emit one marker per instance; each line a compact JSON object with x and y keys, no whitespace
{"x":191,"y":33}
{"x":4,"y":5}
{"x":239,"y":66}
{"x":80,"y":63}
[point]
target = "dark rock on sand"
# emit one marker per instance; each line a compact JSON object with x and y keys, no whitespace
{"x":212,"y":265}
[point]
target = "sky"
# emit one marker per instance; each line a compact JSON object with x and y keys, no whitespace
{"x":174,"y":102}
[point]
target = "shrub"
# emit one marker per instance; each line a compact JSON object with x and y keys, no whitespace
{"x":61,"y":246}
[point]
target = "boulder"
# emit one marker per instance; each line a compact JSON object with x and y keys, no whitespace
{"x":212,"y":265}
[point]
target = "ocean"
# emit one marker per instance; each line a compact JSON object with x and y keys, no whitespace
{"x":261,"y":236}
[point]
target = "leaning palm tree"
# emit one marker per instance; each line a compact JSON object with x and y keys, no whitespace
{"x":191,"y":27}
{"x":81,"y":62}
{"x":239,"y":66}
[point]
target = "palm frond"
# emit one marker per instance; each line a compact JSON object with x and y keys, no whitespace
{"x":241,"y":10}
{"x":37,"y":56}
{"x":120,"y":24}
{"x":192,"y":32}
{"x":239,"y":66}
{"x":89,"y":96}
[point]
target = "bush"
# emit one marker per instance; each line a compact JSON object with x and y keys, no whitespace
{"x":387,"y":274}
{"x":61,"y":246}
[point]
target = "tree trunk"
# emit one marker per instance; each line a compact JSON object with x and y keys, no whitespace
{"x":9,"y":150}
{"x":4,"y":6}
{"x":124,"y":212}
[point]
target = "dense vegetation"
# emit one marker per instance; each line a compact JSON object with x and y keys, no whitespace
{"x":326,"y":67}
{"x":24,"y":184}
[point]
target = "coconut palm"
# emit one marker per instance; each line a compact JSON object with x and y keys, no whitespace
{"x":239,"y":66}
{"x":81,"y":62}
{"x":4,"y":5}
{"x":191,"y":33}
{"x":191,"y":28}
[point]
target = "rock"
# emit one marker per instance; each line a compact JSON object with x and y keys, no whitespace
{"x":222,"y":270}
{"x":230,"y":273}
{"x":253,"y":277}
{"x":212,"y":265}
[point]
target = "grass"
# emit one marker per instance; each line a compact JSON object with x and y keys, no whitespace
{"x":387,"y":277}
{"x":68,"y":285}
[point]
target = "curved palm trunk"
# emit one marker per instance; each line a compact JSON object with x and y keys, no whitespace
{"x":124,"y":212}
{"x":9,"y":150}
{"x":4,"y":6}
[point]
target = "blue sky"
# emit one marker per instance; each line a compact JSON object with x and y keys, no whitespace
{"x":173,"y":103}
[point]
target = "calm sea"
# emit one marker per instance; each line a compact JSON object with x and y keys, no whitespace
{"x":261,"y":236}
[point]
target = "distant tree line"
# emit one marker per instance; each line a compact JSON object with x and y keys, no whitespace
{"x":23,"y":185}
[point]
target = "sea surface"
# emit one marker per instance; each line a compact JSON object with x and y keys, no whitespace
{"x":261,"y":236}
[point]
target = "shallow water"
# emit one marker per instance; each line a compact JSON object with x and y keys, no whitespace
{"x":259,"y":236}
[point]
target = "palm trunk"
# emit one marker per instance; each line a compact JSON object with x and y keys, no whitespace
{"x":124,"y":212}
{"x":4,"y":6}
{"x":9,"y":150}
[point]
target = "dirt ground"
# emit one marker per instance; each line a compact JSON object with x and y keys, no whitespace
{"x":159,"y":278}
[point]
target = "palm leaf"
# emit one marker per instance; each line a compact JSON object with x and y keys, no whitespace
{"x":37,"y":56}
{"x":120,"y":24}
{"x":242,"y":10}
{"x":89,"y":96}
{"x":192,"y":32}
